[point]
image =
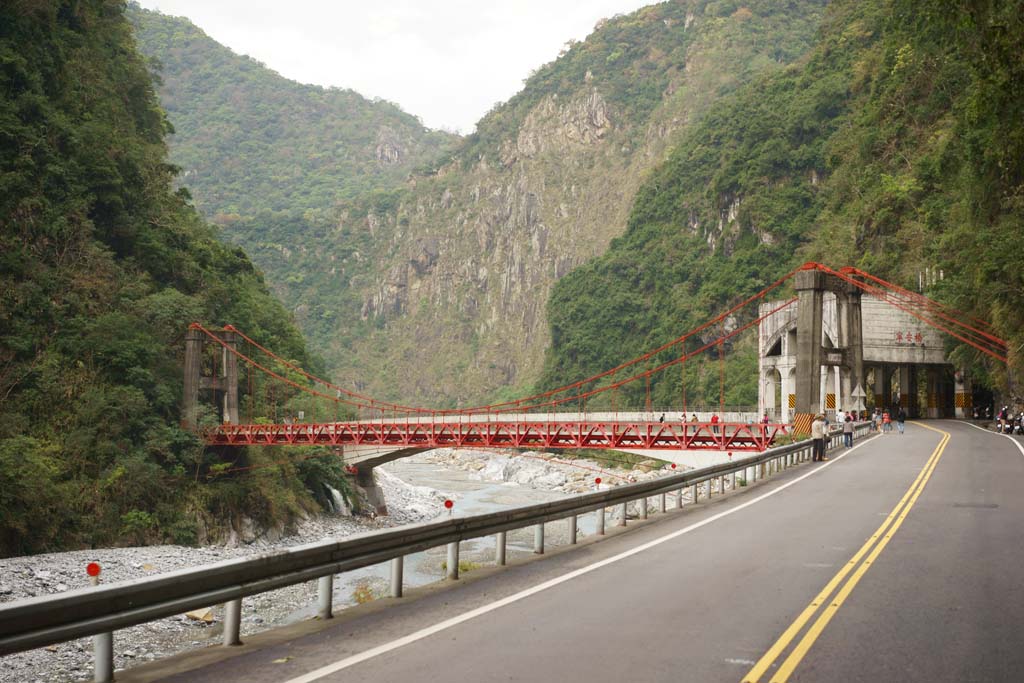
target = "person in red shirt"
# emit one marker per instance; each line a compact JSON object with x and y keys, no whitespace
{"x":714,"y":423}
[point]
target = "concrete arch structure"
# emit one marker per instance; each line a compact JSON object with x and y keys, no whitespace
{"x":836,"y":340}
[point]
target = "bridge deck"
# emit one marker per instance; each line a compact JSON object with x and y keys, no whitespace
{"x":538,"y":434}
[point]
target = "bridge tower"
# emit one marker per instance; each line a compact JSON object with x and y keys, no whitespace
{"x":224,"y":386}
{"x":811,"y":355}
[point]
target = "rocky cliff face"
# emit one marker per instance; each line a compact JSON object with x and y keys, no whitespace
{"x":455,"y":304}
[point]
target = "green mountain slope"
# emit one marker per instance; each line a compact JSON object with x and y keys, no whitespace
{"x":436,"y":293}
{"x":249,"y":140}
{"x":895,"y":145}
{"x":102,"y":268}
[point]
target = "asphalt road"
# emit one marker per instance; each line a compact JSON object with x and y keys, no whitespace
{"x":935,"y":591}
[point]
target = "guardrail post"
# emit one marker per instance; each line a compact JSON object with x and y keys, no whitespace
{"x":625,"y":511}
{"x":600,"y":521}
{"x":721,"y":484}
{"x":325,"y":596}
{"x":664,"y":503}
{"x":397,"y":570}
{"x":453,"y":561}
{"x":232,"y":622}
{"x":572,"y":530}
{"x":679,"y":499}
{"x":538,"y":539}
{"x":643,"y":507}
{"x":732,"y":481}
{"x":499,"y":549}
{"x":102,"y":643}
{"x":103,"y":657}
{"x":693,"y":493}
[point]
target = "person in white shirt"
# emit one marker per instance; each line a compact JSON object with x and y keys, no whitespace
{"x":818,"y":437}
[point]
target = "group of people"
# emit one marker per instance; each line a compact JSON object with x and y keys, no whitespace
{"x":819,"y":432}
{"x":882,"y":419}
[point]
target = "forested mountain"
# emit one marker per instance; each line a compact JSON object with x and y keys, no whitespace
{"x":102,"y":267}
{"x":896,"y":144}
{"x":250,"y":141}
{"x":437,"y":292}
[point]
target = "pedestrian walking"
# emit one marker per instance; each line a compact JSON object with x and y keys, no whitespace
{"x":886,"y":422}
{"x":848,"y":432}
{"x":901,"y":418}
{"x":818,"y":438}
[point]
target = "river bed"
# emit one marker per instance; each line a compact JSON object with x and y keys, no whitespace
{"x":477,"y":482}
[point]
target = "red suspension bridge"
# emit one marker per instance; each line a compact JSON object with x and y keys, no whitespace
{"x":546,"y":420}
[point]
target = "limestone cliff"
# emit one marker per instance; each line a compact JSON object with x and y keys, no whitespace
{"x":453,"y":301}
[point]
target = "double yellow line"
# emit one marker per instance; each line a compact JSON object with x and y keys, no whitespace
{"x":872,"y":548}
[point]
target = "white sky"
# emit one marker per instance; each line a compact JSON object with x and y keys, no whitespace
{"x":446,"y":61}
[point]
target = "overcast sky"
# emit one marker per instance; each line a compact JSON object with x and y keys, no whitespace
{"x":446,"y":61}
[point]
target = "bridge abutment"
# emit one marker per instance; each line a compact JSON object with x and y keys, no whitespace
{"x":366,"y":481}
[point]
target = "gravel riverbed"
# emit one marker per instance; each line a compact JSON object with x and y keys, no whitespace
{"x":25,"y":577}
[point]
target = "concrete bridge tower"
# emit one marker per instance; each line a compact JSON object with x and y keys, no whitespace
{"x":225,"y":385}
{"x":811,"y":355}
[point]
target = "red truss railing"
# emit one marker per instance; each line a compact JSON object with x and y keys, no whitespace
{"x":542,"y":435}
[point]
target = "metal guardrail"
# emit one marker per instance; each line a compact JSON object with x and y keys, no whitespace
{"x":41,"y":621}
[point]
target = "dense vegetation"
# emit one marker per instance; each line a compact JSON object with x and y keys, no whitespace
{"x":895,"y":145}
{"x":275,"y":164}
{"x":250,"y":140}
{"x":102,"y":267}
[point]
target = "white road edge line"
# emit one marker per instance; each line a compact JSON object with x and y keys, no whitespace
{"x":1005,"y":436}
{"x":497,"y":604}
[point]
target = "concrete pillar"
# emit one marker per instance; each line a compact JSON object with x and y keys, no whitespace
{"x":878,"y":386}
{"x":810,"y":291}
{"x":193,"y":366}
{"x":374,"y":496}
{"x":886,"y":388}
{"x":905,"y":388}
{"x":851,"y":338}
{"x":230,"y":365}
{"x":788,"y":389}
{"x":934,"y":392}
{"x":962,"y":400}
